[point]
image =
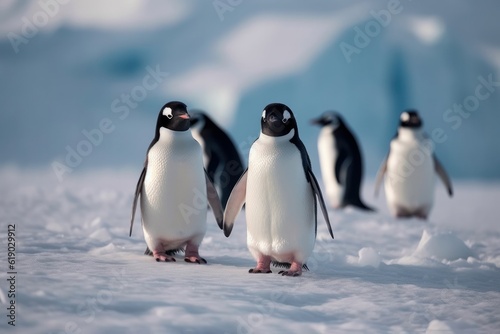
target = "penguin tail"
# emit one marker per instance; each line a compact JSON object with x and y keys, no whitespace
{"x":360,"y":205}
{"x":287,"y":265}
{"x":170,"y":252}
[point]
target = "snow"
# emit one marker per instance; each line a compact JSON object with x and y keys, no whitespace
{"x":78,"y":271}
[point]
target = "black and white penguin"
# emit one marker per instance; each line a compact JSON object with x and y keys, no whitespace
{"x":281,"y":195}
{"x":221,"y":158}
{"x":340,"y":160}
{"x":174,"y":189}
{"x":410,"y":169}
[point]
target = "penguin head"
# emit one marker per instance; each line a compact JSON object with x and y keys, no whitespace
{"x":198,"y":119}
{"x":277,"y":120}
{"x":410,"y":119}
{"x":331,"y":118}
{"x":173,"y":116}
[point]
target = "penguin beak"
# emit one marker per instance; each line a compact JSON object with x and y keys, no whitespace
{"x":315,"y":121}
{"x":184,"y":116}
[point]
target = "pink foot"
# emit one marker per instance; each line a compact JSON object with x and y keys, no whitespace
{"x":294,"y":271}
{"x":192,"y":255}
{"x":263,"y":266}
{"x":159,"y":257}
{"x":195,"y":259}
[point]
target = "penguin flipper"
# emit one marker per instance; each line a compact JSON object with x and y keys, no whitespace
{"x":138,"y":190}
{"x":380,"y":175}
{"x":214,"y":201}
{"x":443,"y":175}
{"x":235,"y":203}
{"x":317,"y":192}
{"x":339,"y":167}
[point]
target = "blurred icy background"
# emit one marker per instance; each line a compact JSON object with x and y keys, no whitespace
{"x":76,"y":61}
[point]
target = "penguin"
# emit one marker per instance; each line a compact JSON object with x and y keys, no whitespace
{"x":281,"y":194}
{"x":174,"y":189}
{"x":221,"y":158}
{"x":340,"y":161}
{"x":411,"y":167}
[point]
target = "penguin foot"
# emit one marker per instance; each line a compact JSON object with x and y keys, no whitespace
{"x":263,"y":265}
{"x":164,"y":258}
{"x":259,"y":271}
{"x":294,"y":271}
{"x":191,"y":253}
{"x":195,"y":259}
{"x":290,"y":273}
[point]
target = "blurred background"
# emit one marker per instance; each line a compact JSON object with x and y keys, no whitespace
{"x":82,"y":82}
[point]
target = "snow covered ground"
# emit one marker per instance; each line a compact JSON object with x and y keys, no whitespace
{"x":79,"y":272}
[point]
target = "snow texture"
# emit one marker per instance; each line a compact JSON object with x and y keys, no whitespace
{"x":79,"y":272}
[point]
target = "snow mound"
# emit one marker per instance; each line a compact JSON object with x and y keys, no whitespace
{"x":108,"y":249}
{"x":442,"y":246}
{"x":449,"y":327}
{"x":368,"y":257}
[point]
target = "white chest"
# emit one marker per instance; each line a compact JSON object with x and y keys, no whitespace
{"x":410,"y":171}
{"x":279,"y":206}
{"x":327,"y":156}
{"x":173,"y":201}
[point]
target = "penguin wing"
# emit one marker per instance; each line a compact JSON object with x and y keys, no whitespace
{"x":138,"y":190}
{"x":443,"y":175}
{"x":380,"y":175}
{"x":214,"y":201}
{"x":235,"y":203}
{"x":341,"y":165}
{"x":213,"y":163}
{"x":317,"y":192}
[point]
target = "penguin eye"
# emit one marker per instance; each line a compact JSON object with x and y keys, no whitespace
{"x":286,"y":116}
{"x":168,"y":112}
{"x":405,"y":117}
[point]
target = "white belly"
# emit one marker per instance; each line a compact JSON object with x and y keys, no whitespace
{"x":279,"y":203}
{"x":410,"y":178}
{"x":327,"y":157}
{"x":174,"y":201}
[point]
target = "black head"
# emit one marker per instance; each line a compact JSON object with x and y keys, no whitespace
{"x":198,"y":119}
{"x":410,"y":119}
{"x":173,"y":116}
{"x":332,"y":118}
{"x":277,"y":120}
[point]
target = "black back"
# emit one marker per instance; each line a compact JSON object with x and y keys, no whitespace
{"x":348,"y":167}
{"x":225,"y":165}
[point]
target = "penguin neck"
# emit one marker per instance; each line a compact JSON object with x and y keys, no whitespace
{"x":167,"y":135}
{"x":276,"y":140}
{"x":409,"y":134}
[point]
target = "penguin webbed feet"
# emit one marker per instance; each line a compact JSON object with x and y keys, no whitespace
{"x":195,"y":259}
{"x":294,"y":270}
{"x":163,"y":258}
{"x":192,"y":255}
{"x":290,"y":273}
{"x":259,"y":271}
